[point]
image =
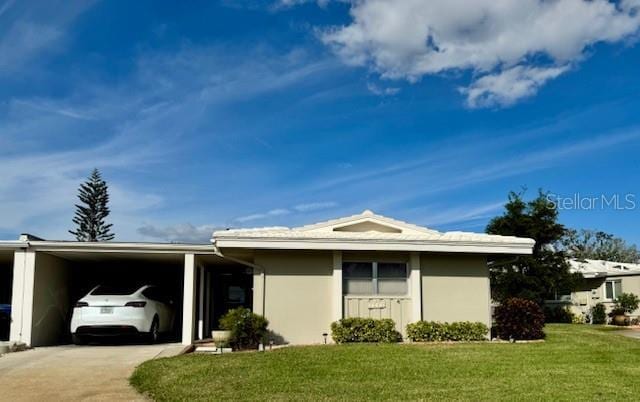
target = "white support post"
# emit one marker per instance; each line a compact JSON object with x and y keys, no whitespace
{"x":207,"y":301}
{"x":337,"y":286}
{"x":201,"y":303}
{"x":415,"y":279}
{"x":188,"y":303}
{"x":24,"y":266}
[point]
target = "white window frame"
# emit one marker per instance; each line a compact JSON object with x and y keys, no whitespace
{"x":374,"y":277}
{"x":613,"y":289}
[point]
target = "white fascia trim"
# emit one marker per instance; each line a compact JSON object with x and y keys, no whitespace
{"x":122,"y":247}
{"x":13,"y":244}
{"x":381,"y":245}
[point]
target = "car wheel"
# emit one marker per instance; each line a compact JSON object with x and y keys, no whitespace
{"x":154,"y":332}
{"x":78,"y":339}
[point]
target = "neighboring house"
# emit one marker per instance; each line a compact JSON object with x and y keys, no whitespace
{"x":300,"y":279}
{"x":604,"y":282}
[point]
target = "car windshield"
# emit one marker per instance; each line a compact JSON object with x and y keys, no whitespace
{"x":112,"y":289}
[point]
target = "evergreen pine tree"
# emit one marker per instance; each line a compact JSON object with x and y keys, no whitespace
{"x":91,"y":213}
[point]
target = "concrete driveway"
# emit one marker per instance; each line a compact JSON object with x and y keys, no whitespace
{"x":76,"y":373}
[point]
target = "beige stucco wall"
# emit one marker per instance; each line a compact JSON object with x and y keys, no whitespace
{"x":297,"y":294}
{"x":455,"y":287}
{"x":298,"y":290}
{"x":50,"y":300}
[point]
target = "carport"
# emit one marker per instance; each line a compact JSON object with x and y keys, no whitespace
{"x":52,"y":275}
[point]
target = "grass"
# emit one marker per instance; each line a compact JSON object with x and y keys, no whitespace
{"x":577,"y":362}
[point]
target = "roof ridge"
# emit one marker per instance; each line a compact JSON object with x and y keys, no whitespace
{"x":366,"y":214}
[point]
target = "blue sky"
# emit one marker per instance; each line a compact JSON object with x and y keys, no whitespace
{"x":257,"y":113}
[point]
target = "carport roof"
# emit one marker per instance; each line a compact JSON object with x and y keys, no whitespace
{"x":131,"y":247}
{"x":369,"y":231}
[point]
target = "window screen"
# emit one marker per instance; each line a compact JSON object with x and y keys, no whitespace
{"x":612,"y":289}
{"x":608,"y":290}
{"x":392,"y":278}
{"x":357,"y":278}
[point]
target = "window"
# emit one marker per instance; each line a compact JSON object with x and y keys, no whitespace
{"x":115,"y":289}
{"x":235,"y":294}
{"x":157,"y":294}
{"x":371,"y":278}
{"x":612,"y":289}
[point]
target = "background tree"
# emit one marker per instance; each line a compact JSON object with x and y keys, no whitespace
{"x":90,"y":215}
{"x":542,"y":275}
{"x":596,"y":245}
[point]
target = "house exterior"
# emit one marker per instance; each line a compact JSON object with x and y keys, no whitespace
{"x":604,"y":282}
{"x":301,"y":279}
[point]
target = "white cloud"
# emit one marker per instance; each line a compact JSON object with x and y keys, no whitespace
{"x":144,"y":123}
{"x":382,"y":91}
{"x":263,"y":215}
{"x":467,"y":213}
{"x":300,"y":208}
{"x":34,"y":28}
{"x":408,"y":39}
{"x":315,"y":206}
{"x":508,"y":86}
{"x":183,"y":233}
{"x":291,"y":3}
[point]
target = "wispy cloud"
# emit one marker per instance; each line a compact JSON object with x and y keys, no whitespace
{"x":148,"y":120}
{"x":458,"y":214}
{"x":35,"y":28}
{"x":315,"y":206}
{"x":183,"y":233}
{"x":263,"y":215}
{"x":299,"y":208}
{"x":382,"y":91}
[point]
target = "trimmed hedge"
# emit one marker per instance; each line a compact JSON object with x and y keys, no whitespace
{"x":431,"y":331}
{"x":519,"y":319}
{"x":247,"y":328}
{"x":355,"y":329}
{"x":598,"y":314}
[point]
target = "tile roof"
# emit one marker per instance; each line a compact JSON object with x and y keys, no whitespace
{"x":326,"y":231}
{"x":592,"y":268}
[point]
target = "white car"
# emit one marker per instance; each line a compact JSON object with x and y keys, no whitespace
{"x":109,"y":310}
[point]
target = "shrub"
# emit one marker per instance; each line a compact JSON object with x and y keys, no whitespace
{"x":628,"y":302}
{"x":247,"y":329}
{"x":558,"y":314}
{"x":598,"y":314}
{"x":364,"y":330}
{"x":577,"y":319}
{"x":430,"y":331}
{"x":519,"y":319}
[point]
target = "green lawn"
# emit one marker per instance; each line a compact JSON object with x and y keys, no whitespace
{"x":577,"y":362}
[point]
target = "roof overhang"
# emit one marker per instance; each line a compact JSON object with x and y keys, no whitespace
{"x":483,"y":247}
{"x":109,"y":247}
{"x":12,"y":245}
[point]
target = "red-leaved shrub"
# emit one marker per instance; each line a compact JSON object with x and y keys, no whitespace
{"x":519,"y":319}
